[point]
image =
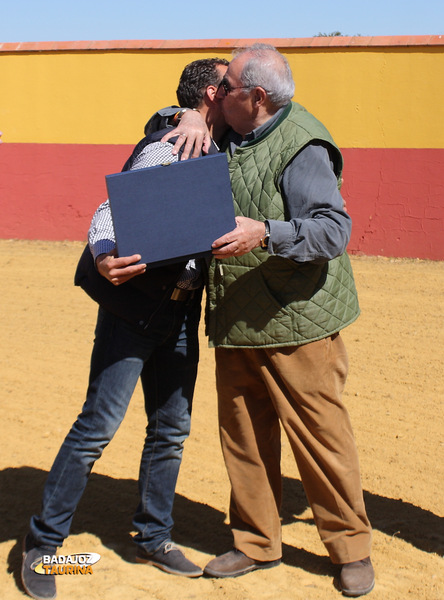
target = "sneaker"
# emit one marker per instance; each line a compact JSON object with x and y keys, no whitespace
{"x":37,"y":584}
{"x":169,"y":558}
{"x":357,"y":578}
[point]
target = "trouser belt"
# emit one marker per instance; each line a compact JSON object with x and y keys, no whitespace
{"x":181,"y":295}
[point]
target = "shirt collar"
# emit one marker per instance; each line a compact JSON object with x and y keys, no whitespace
{"x":262,"y":128}
{"x":236,"y":139}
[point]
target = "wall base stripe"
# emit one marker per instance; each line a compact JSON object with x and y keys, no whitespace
{"x":395,"y":196}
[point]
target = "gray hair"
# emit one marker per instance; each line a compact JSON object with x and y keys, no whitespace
{"x":270,"y":70}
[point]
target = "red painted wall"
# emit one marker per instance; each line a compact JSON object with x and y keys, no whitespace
{"x":50,"y":191}
{"x":395,"y":196}
{"x":396,"y":200}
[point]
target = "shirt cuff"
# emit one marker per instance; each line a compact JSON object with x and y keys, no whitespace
{"x":281,"y":236}
{"x":102,"y":247}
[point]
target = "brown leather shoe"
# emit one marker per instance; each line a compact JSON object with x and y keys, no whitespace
{"x":236,"y":563}
{"x":357,"y":578}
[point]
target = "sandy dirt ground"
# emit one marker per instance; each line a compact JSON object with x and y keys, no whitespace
{"x":394,"y":393}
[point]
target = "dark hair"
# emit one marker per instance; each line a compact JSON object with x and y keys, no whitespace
{"x":195,"y":79}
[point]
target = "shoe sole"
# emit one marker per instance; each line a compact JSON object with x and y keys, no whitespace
{"x":162,"y":567}
{"x":34,"y":595}
{"x":250,"y":569}
{"x":355,"y":594}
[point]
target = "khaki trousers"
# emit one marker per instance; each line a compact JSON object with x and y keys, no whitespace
{"x":299,"y":387}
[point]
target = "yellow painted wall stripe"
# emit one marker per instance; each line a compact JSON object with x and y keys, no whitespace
{"x":368,"y":96}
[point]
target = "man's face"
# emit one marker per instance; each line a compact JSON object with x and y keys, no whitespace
{"x":217,"y":116}
{"x":236,"y":100}
{"x":221,"y":70}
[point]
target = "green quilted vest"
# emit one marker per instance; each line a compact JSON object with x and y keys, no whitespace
{"x":259,"y":300}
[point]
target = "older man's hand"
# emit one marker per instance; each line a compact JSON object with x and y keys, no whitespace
{"x":243,"y":239}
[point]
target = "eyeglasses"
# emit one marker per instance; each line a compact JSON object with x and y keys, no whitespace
{"x":227,"y":87}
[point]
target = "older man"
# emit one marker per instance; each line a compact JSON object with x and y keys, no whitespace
{"x":280,"y":290}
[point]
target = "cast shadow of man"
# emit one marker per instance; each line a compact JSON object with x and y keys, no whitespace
{"x":108,"y":504}
{"x":394,"y":517}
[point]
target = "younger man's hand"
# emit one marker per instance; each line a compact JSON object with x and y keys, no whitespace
{"x":119,"y":270}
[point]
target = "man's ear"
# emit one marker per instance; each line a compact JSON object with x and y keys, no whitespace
{"x":259,"y":96}
{"x":210,"y":93}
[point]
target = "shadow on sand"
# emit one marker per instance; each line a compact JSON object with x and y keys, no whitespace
{"x":107,"y":506}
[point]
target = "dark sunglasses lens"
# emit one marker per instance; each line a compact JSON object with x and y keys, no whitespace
{"x":226,"y":86}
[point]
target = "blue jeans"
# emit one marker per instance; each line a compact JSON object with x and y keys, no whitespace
{"x":165,"y":357}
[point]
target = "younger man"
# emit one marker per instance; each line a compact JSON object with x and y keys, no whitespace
{"x":161,"y":346}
